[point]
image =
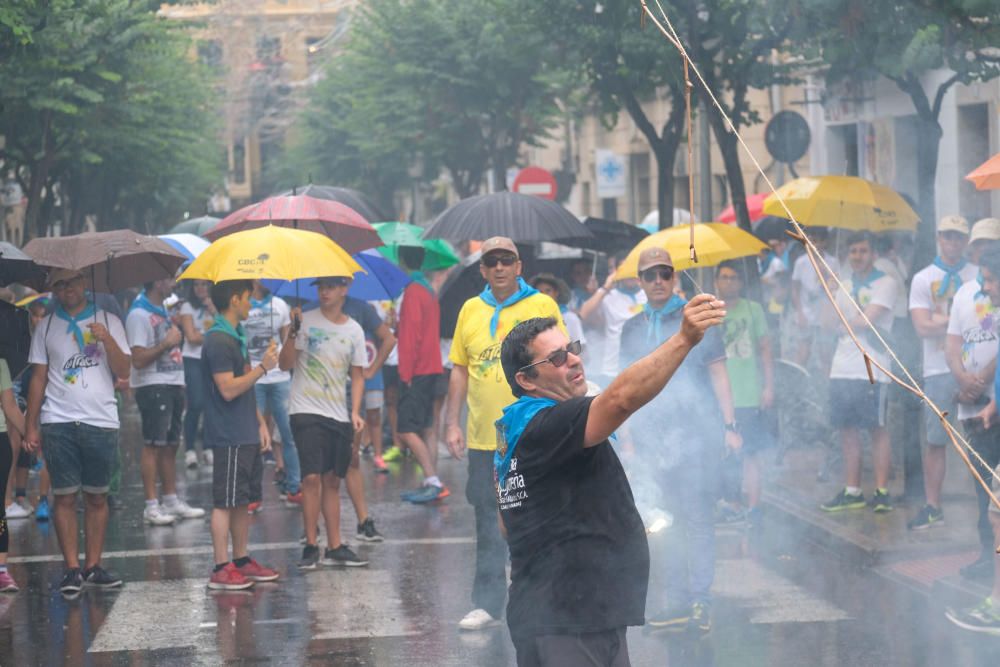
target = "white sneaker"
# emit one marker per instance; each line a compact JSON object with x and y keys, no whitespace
{"x":207,"y":457}
{"x":191,"y":459}
{"x":157,"y":516}
{"x":478,"y":619}
{"x":19,"y":511}
{"x":182,"y":510}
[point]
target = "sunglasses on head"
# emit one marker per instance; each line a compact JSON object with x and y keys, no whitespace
{"x":557,"y":358}
{"x":663,"y":272}
{"x":490,"y":261}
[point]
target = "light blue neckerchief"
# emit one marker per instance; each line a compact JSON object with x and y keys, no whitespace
{"x":262,"y":304}
{"x":656,"y":316}
{"x":419,"y":278}
{"x":143,"y":303}
{"x":523,"y":292}
{"x":952,"y":277}
{"x":510,"y":427}
{"x":859,"y":283}
{"x":74,"y":326}
{"x":223,"y":325}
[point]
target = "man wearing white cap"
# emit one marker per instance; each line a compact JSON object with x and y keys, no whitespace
{"x":984,"y":233}
{"x":931,"y":294}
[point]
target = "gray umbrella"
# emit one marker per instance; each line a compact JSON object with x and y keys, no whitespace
{"x":359,"y":201}
{"x":522,"y":218}
{"x":197,"y":226}
{"x":17,"y":267}
{"x":110,"y":261}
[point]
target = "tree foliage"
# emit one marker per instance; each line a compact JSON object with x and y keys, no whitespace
{"x":459,"y":85}
{"x":106,"y":115}
{"x":905,"y":41}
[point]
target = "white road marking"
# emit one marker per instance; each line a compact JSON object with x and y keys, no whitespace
{"x":207,"y":549}
{"x":179,"y":605}
{"x":770,"y":597}
{"x":365,"y":604}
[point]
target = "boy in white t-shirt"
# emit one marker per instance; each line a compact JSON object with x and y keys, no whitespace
{"x":931,"y":292}
{"x":78,"y":352}
{"x":855,"y":403}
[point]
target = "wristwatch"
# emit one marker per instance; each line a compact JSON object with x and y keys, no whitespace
{"x":733,"y":427}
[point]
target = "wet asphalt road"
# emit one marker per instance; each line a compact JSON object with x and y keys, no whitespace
{"x":778,"y":601}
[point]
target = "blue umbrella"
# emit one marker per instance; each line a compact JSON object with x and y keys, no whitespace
{"x":189,"y":244}
{"x":384,"y":280}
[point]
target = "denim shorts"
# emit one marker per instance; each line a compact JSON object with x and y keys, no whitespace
{"x":79,"y":456}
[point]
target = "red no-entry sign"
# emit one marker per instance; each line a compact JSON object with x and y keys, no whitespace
{"x":535,"y":181}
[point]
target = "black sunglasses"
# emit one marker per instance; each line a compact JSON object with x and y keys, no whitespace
{"x":557,"y":358}
{"x":490,"y":261}
{"x":665,"y":273}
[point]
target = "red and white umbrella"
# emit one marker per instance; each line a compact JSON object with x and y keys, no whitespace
{"x":341,"y":223}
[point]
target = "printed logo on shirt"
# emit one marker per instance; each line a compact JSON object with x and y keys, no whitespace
{"x":173,"y":360}
{"x":739,"y":343}
{"x":636,"y":308}
{"x":513,"y":493}
{"x":89,"y":358}
{"x":315,"y":338}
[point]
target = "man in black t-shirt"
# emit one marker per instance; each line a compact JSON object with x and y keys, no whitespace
{"x":236,"y":431}
{"x":579,"y":558}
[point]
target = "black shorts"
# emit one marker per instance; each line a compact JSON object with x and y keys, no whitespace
{"x":161,"y":407}
{"x":416,"y":404}
{"x":26,"y":460}
{"x":236,"y":476}
{"x":757,"y":428}
{"x":857,"y":404}
{"x":324,"y":444}
{"x":390,"y":376}
{"x":441,"y":386}
{"x":607,"y":647}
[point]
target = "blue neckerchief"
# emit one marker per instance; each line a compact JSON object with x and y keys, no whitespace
{"x":858,"y":283}
{"x":516,"y":418}
{"x":74,"y":326}
{"x":419,"y":278}
{"x":563,"y":308}
{"x":952,"y":278}
{"x":223,"y":325}
{"x":523,"y":292}
{"x":656,"y":316}
{"x":145,"y":304}
{"x":262,"y":304}
{"x":979,"y":279}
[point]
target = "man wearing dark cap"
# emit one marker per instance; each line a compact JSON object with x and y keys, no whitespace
{"x":579,"y":558}
{"x":483,"y":323}
{"x":679,"y":438}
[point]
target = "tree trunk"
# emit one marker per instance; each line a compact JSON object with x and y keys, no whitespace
{"x":665,"y":186}
{"x":928,"y":147}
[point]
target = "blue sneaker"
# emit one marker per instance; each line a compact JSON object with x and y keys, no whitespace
{"x":42,"y":511}
{"x":426,"y":494}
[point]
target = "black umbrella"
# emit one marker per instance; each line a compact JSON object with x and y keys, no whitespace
{"x":609,"y":236}
{"x":15,"y":337}
{"x":359,"y":201}
{"x":464,"y":282}
{"x":18,"y":267}
{"x":770,"y":227}
{"x":522,"y":218}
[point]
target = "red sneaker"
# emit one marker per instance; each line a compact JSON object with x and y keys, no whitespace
{"x":443,"y":493}
{"x":253,"y":508}
{"x":254,"y":571}
{"x":293,"y":499}
{"x":229,"y":578}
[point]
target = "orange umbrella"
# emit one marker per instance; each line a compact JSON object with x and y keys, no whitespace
{"x":987,"y":175}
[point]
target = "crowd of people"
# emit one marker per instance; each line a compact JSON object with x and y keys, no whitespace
{"x":228,"y":368}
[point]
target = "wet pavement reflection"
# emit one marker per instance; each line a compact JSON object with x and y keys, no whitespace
{"x":778,"y":599}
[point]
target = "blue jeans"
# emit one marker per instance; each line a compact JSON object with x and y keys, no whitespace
{"x":689,"y":493}
{"x":194,"y":387}
{"x":273,"y":399}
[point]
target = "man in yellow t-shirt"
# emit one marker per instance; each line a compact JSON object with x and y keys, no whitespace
{"x":483,"y":323}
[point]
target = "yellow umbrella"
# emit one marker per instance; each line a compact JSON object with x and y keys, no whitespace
{"x":715,"y":242}
{"x":271,"y":252}
{"x":847,"y":202}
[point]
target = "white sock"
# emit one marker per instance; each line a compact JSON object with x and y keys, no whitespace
{"x":433,"y":481}
{"x":170,"y":499}
{"x":853,"y":490}
{"x":152,"y":503}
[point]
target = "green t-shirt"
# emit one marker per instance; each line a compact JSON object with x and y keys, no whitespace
{"x":743,"y":329}
{"x":5,"y":384}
